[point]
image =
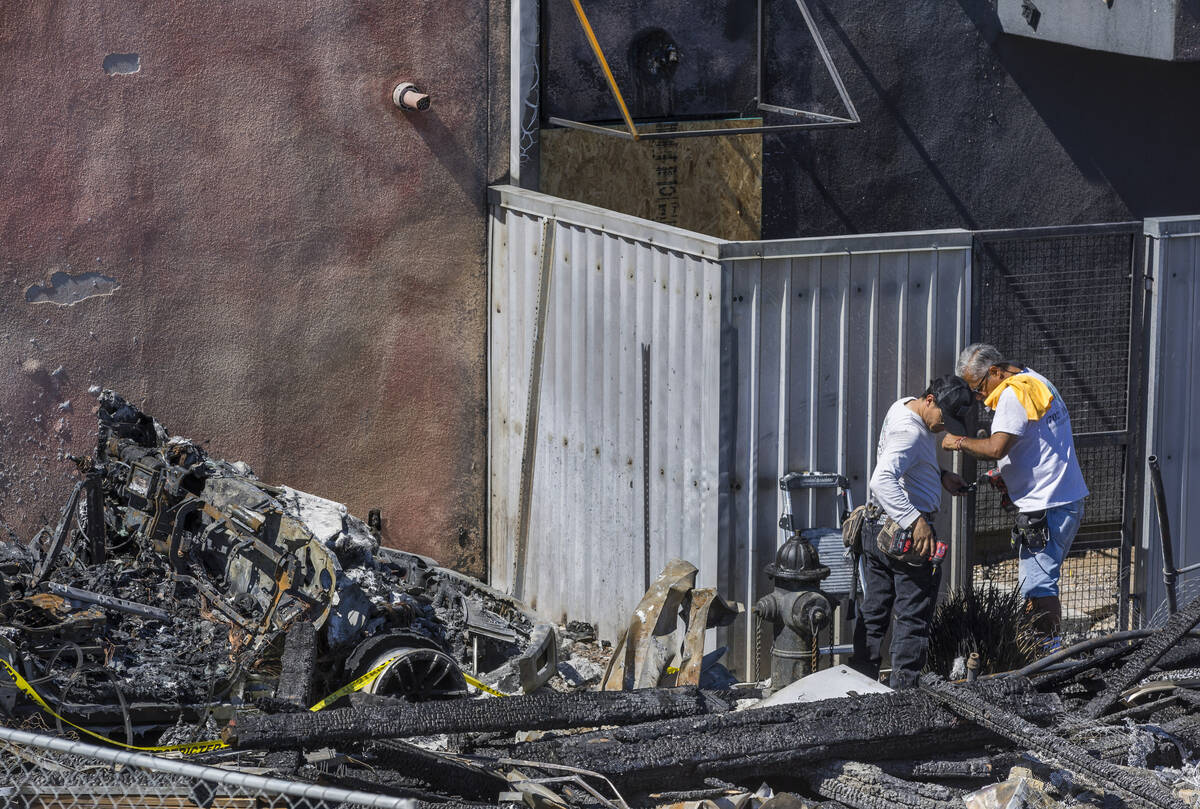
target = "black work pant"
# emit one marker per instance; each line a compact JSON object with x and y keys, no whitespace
{"x":903,"y":592}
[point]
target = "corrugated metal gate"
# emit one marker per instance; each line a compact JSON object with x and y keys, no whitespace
{"x":1069,"y":301}
{"x":824,"y":335}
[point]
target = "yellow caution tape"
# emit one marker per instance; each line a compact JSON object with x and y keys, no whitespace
{"x":355,"y":685}
{"x":365,"y":680}
{"x":487,"y":689}
{"x":216,"y":744}
{"x":186,"y":749}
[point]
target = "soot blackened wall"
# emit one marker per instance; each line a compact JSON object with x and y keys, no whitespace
{"x":964,"y":126}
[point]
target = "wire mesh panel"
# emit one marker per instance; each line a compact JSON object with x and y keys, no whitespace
{"x":1063,"y":302}
{"x":1088,"y":593}
{"x":38,"y":771}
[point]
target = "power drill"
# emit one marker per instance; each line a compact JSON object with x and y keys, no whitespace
{"x":993,"y":477}
{"x":939,"y":551}
{"x":902,"y":543}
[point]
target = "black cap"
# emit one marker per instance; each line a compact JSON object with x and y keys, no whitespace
{"x":953,"y":396}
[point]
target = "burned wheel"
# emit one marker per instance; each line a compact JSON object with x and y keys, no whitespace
{"x":417,"y":674}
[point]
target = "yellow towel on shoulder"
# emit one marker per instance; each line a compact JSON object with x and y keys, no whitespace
{"x":1031,"y":392}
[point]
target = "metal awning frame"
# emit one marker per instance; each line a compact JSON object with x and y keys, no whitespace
{"x":816,"y":120}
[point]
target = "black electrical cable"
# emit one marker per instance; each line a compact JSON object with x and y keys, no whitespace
{"x":54,"y":659}
{"x":1082,"y":646}
{"x":124,"y":706}
{"x":62,"y":694}
{"x":1060,"y":672}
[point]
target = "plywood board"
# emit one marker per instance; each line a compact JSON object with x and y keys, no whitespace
{"x":711,"y":185}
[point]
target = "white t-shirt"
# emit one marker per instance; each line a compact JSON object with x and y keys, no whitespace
{"x":907,"y":480}
{"x":1041,"y":469}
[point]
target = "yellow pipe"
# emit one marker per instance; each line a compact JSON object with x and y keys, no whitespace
{"x":612,"y":83}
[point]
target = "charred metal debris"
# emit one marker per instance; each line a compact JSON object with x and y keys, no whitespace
{"x":185,"y":606}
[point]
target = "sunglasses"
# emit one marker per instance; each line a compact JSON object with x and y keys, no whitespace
{"x":978,"y":389}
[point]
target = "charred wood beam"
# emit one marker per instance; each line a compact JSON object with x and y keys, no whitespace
{"x":397,"y":784}
{"x":707,"y":793}
{"x":1186,"y":730}
{"x":299,"y":659}
{"x":681,"y":753}
{"x":448,"y":775}
{"x":949,"y":768}
{"x":1115,"y":747}
{"x":295,"y":685}
{"x":544,"y":711}
{"x":59,"y":540}
{"x":865,"y":786}
{"x":94,"y":524}
{"x":1185,"y":654}
{"x":1140,"y":711}
{"x":1141,"y":661}
{"x":976,"y":707}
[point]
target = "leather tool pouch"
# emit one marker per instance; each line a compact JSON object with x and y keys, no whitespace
{"x":892,"y":540}
{"x":852,"y":529}
{"x":1031,"y":530}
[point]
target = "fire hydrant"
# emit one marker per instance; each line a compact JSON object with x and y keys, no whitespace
{"x":797,"y":608}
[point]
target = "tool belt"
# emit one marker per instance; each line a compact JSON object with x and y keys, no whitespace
{"x":896,"y":542}
{"x":1031,"y":530}
{"x":852,"y":529}
{"x":869,"y":523}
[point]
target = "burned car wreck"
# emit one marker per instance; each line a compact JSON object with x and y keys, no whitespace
{"x":173,"y":578}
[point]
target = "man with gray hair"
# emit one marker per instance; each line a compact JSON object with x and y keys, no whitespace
{"x":1032,"y":442}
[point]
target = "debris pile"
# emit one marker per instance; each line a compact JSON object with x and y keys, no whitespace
{"x":170,"y":584}
{"x":183,"y":605}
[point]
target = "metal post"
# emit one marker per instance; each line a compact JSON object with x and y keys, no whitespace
{"x":532,"y":404}
{"x":1164,"y":533}
{"x":524,"y":92}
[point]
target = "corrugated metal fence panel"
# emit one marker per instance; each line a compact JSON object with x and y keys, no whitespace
{"x":826,"y":335}
{"x":1173,"y":429}
{"x":616,"y":283}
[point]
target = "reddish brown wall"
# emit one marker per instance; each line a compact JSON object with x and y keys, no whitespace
{"x":301,"y":265}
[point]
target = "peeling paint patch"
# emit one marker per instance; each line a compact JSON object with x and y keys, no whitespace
{"x":122,"y":64}
{"x":65,"y":289}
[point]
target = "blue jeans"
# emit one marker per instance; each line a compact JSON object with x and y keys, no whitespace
{"x":1040,"y":567}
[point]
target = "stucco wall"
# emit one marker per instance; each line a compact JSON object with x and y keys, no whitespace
{"x":299,"y":266}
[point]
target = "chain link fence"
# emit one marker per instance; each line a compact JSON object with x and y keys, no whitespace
{"x":38,"y":771}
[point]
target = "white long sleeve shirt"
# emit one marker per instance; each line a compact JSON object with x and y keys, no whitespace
{"x":907,"y":480}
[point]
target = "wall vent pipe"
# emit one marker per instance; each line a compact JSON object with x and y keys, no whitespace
{"x":406,"y":96}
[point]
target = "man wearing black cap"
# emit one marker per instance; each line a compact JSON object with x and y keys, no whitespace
{"x":900,"y":567}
